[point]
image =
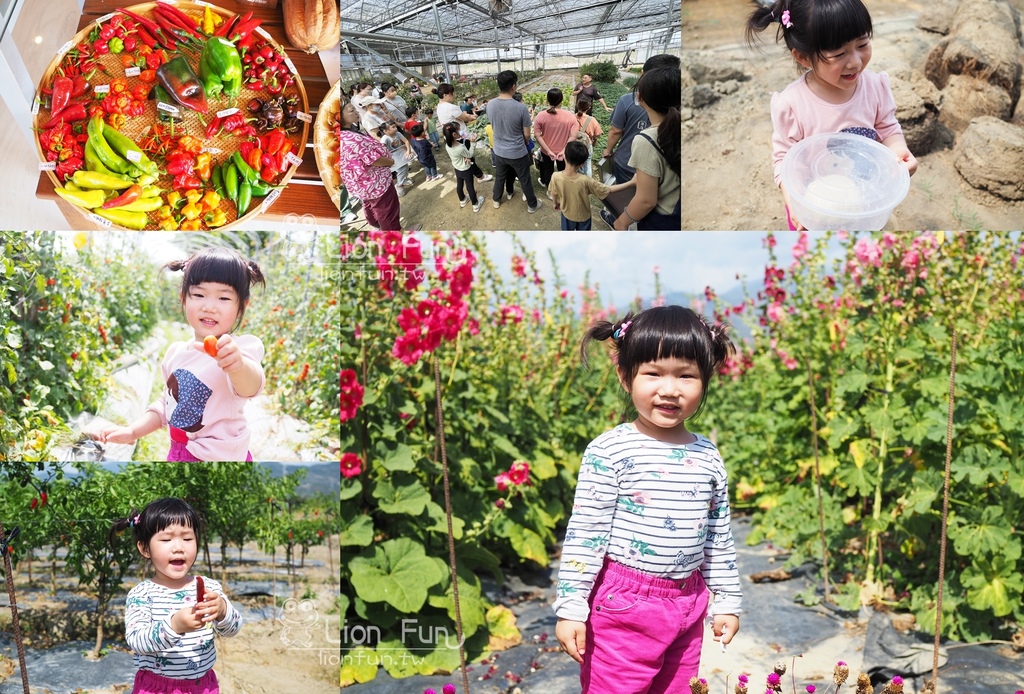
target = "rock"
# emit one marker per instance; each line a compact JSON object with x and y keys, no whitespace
{"x":685,"y":114}
{"x":917,"y":111}
{"x":989,"y":154}
{"x":709,"y":73}
{"x":983,"y":43}
{"x":938,"y":17}
{"x":727,"y":87}
{"x":965,"y":98}
{"x":698,"y":96}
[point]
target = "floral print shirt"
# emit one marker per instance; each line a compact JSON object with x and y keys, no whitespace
{"x":358,"y":152}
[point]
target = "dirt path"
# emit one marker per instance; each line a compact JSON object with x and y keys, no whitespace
{"x":727,"y":172}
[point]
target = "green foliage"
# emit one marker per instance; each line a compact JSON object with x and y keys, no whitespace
{"x":630,"y":81}
{"x":602,"y":71}
{"x":878,"y":344}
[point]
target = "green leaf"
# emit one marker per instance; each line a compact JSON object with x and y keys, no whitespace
{"x":400,"y":459}
{"x":543,"y":466}
{"x":994,"y":585}
{"x":45,"y":365}
{"x":12,"y":375}
{"x":506,"y":446}
{"x":410,"y":499}
{"x":350,"y":487}
{"x":501,"y":625}
{"x":437,"y":514}
{"x":14,"y":338}
{"x":991,"y":533}
{"x":399,"y":573}
{"x":360,"y":665}
{"x":471,"y":605}
{"x":528,"y":544}
{"x":358,"y":533}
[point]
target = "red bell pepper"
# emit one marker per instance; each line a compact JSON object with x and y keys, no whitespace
{"x":80,"y":86}
{"x":179,"y":164}
{"x":186,"y":182}
{"x":127,"y":197}
{"x":62,"y":88}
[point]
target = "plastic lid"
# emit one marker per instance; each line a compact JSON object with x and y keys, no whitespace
{"x":846,"y":174}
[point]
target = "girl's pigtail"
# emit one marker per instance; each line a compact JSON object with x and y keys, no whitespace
{"x":256,"y":275}
{"x":120,"y":525}
{"x":601,"y":331}
{"x":176,"y":265}
{"x":721,"y":345}
{"x":762,"y":18}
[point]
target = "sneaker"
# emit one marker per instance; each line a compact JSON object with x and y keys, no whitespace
{"x":540,"y":203}
{"x":478,"y":205}
{"x":524,"y":197}
{"x":486,"y":177}
{"x":496,"y":204}
{"x":608,"y":219}
{"x":463,"y":203}
{"x":548,"y":193}
{"x":508,"y":196}
{"x":401,"y":191}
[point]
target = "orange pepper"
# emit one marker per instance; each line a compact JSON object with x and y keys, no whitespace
{"x":190,"y":144}
{"x":202,"y":166}
{"x":127,"y":60}
{"x":148,"y":76}
{"x":118,"y":85}
{"x":253,"y":159}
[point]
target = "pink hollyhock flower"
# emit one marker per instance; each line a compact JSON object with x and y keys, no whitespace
{"x":769,"y":241}
{"x":500,"y":503}
{"x":519,"y":472}
{"x":462,"y":280}
{"x":351,"y":465}
{"x":513,"y":313}
{"x":564,"y":293}
{"x":775,"y":312}
{"x":474,"y":326}
{"x":868,"y":252}
{"x":518,"y":266}
{"x":502,"y":481}
{"x":800,"y":247}
{"x":790,"y":363}
{"x":351,"y":394}
{"x":407,"y":348}
{"x":409,"y":319}
{"x":888,"y":239}
{"x":911,"y":259}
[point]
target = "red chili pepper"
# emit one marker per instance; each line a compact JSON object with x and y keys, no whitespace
{"x":246,"y":147}
{"x":180,"y":164}
{"x":154,"y":60}
{"x":210,"y":345}
{"x":148,"y":24}
{"x":62,"y":88}
{"x":101,"y":47}
{"x":80,"y":86}
{"x":275,"y":139}
{"x":125,"y":198}
{"x":183,"y":19}
{"x":146,"y":37}
{"x":245,"y":28}
{"x":42,"y":496}
{"x":74,"y":112}
{"x":200,"y":588}
{"x":107,"y":32}
{"x":130,"y":43}
{"x":213,"y":128}
{"x":34,"y":503}
{"x":225,"y":28}
{"x":235,"y":120}
{"x":186,"y":182}
{"x":244,"y":131}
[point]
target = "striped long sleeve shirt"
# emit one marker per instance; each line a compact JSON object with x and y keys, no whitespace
{"x":156,"y":646}
{"x":658,"y":507}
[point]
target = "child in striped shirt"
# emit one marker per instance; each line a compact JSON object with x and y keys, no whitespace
{"x":171,"y":619}
{"x":649,"y":534}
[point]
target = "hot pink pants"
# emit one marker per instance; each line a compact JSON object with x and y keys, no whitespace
{"x":147,"y":682}
{"x":644,"y":633}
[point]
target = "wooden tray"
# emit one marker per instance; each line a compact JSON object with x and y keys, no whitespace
{"x":326,"y":143}
{"x":221,"y":147}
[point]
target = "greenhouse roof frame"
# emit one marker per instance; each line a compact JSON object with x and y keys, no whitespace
{"x":516,"y":25}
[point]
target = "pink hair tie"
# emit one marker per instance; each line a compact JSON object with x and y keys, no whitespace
{"x":620,"y":332}
{"x":785,"y":21}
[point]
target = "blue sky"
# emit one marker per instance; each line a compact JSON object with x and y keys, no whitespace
{"x":622,"y":262}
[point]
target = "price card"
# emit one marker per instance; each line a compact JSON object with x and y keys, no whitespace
{"x":227,"y":112}
{"x":133,"y":156}
{"x":65,"y":48}
{"x":103,"y":222}
{"x":291,"y":66}
{"x":169,"y":108}
{"x":304,"y":117}
{"x":290,"y":157}
{"x":212,"y":150}
{"x":271,"y":198}
{"x":263,"y":32}
{"x":132,"y":71}
{"x":101,"y":88}
{"x":47,"y":166}
{"x":105,"y":18}
{"x":35,"y":107}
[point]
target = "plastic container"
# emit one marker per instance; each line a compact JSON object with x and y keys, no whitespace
{"x":842,"y":181}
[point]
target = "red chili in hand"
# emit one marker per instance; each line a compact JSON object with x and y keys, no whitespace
{"x":200,"y":586}
{"x":210,"y":345}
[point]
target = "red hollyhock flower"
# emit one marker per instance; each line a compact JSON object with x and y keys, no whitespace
{"x":519,"y":473}
{"x":351,"y":394}
{"x":351,"y":465}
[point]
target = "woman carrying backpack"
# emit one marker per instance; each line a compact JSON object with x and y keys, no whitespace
{"x":554,"y":129}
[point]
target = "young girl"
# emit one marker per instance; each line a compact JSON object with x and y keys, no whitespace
{"x":431,"y":127}
{"x":461,"y":153}
{"x":589,"y":126}
{"x":401,"y":151}
{"x":832,"y":40}
{"x":207,"y":390}
{"x":168,"y":627}
{"x":649,"y":532}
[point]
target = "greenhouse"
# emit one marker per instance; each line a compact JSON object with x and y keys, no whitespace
{"x":417,"y":46}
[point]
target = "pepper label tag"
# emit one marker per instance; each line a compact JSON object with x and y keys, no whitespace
{"x":304,"y":117}
{"x":201,"y":3}
{"x":101,"y":88}
{"x":271,"y":198}
{"x":132,"y":71}
{"x":133,"y":156}
{"x":169,"y":108}
{"x":47,"y":166}
{"x":35,"y":107}
{"x":65,"y":48}
{"x":291,"y":66}
{"x":290,"y":157}
{"x":212,"y":150}
{"x":263,"y":32}
{"x":105,"y":18}
{"x":105,"y":223}
{"x":227,"y":112}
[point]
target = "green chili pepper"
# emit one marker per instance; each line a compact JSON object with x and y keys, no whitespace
{"x":244,"y":197}
{"x":147,"y":204}
{"x":92,"y":161}
{"x":244,"y":169}
{"x":124,"y":145}
{"x":261,"y":188}
{"x":120,"y":217}
{"x":82,"y":198}
{"x":231,"y":182}
{"x":103,"y":151}
{"x":218,"y":180}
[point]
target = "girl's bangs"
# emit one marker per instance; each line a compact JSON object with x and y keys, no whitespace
{"x":835,"y":23}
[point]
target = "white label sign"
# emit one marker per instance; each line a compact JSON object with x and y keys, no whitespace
{"x":65,"y":48}
{"x":291,"y":66}
{"x":212,"y":150}
{"x":291,"y":158}
{"x":105,"y":18}
{"x":262,"y":32}
{"x":47,"y":166}
{"x":101,"y":88}
{"x":202,"y":3}
{"x":227,"y":112}
{"x":132,"y":71}
{"x":271,"y":198}
{"x":169,"y":108}
{"x":133,"y":156}
{"x":102,"y":221}
{"x":35,"y":107}
{"x":304,"y":117}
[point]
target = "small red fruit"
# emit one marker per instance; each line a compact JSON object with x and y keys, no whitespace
{"x":200,"y":589}
{"x":35,"y":502}
{"x":210,"y":345}
{"x":43,"y":497}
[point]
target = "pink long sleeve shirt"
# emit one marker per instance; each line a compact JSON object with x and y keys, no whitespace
{"x":798,"y":113}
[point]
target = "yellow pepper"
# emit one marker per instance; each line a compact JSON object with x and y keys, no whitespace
{"x":211,"y":200}
{"x":168,"y":224}
{"x":193,"y":195}
{"x":191,"y":225}
{"x":211,"y":20}
{"x":202,"y":166}
{"x":216,"y":218}
{"x":165,"y":212}
{"x":191,"y":211}
{"x":173,"y":198}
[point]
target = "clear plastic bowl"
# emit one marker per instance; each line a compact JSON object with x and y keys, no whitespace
{"x":842,"y":181}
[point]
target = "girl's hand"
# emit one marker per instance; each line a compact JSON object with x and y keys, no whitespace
{"x":725,"y":627}
{"x":789,"y":210}
{"x":229,"y":356}
{"x":573,"y":637}
{"x":187,"y":619}
{"x":213,"y":608}
{"x":908,"y":159}
{"x":113,"y":434}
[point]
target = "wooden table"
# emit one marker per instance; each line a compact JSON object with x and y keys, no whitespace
{"x":305,"y":193}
